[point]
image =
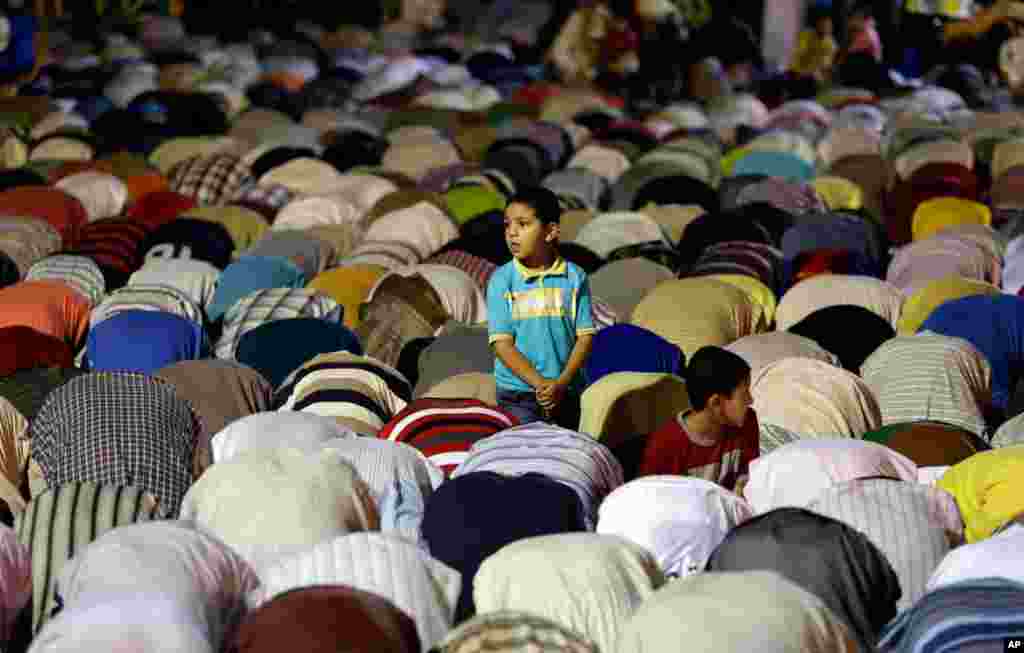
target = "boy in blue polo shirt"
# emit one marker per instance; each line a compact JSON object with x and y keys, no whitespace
{"x":539,"y":318}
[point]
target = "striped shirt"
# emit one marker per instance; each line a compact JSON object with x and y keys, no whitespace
{"x":271,"y":304}
{"x":114,"y":243}
{"x":509,"y":631}
{"x":814,"y":399}
{"x":79,"y":272}
{"x":387,"y":254}
{"x":155,"y":297}
{"x":773,"y":436}
{"x":1001,"y":555}
{"x":61,"y":522}
{"x":572,"y":458}
{"x":445,"y":430}
{"x":930,"y":377}
{"x":400,"y":479}
{"x":423,"y":226}
{"x":478,"y":268}
{"x":360,"y":392}
{"x":976,"y":615}
{"x":27,"y":240}
{"x":757,"y":260}
{"x":913,"y":266}
{"x":196,"y":279}
{"x":822,"y":463}
{"x":823,"y":290}
{"x":158,"y":581}
{"x":914,"y":525}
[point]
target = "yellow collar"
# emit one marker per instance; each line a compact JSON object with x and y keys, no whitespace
{"x":558,"y":267}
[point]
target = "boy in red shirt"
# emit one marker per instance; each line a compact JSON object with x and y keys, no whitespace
{"x":718,"y":437}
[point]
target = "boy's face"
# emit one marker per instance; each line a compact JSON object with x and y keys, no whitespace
{"x":824,"y":26}
{"x":529,"y":240}
{"x":736,"y":405}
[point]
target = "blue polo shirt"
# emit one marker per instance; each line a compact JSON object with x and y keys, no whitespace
{"x":543,"y":311}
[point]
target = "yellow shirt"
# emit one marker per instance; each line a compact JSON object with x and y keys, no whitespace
{"x":948,"y":8}
{"x":814,"y":54}
{"x":988,"y":488}
{"x":349,"y":286}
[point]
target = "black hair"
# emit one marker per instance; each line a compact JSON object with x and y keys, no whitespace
{"x":711,"y":371}
{"x":543,"y":202}
{"x":862,"y":9}
{"x":816,"y":13}
{"x":621,"y":8}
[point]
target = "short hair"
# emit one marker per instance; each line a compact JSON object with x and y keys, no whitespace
{"x":622,"y":8}
{"x":862,"y":9}
{"x":711,"y":371}
{"x":543,"y":202}
{"x":816,"y":13}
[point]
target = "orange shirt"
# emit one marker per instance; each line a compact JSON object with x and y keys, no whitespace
{"x":50,"y":307}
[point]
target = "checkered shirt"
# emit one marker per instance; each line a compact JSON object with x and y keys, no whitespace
{"x":212,"y":179}
{"x":120,"y":428}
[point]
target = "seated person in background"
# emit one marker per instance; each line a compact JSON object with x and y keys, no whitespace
{"x":862,"y":34}
{"x":718,"y":437}
{"x":595,"y":41}
{"x":977,"y":40}
{"x":23,"y":49}
{"x":413,"y":20}
{"x":816,"y":47}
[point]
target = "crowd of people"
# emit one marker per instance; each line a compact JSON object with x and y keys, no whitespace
{"x":511,"y":327}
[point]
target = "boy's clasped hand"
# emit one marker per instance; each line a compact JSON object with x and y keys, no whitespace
{"x":549,"y":395}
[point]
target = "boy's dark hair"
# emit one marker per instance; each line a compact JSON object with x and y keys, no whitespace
{"x":543,"y":202}
{"x":862,"y":9}
{"x":816,"y":13}
{"x":621,"y":8}
{"x":713,"y":370}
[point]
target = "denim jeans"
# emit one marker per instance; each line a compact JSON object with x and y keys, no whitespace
{"x":526,"y":408}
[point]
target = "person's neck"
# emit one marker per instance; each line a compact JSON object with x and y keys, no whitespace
{"x":702,"y":428}
{"x":541,"y":261}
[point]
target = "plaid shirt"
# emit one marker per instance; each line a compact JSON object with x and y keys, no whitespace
{"x":120,"y":428}
{"x":213,"y":179}
{"x":272,"y":196}
{"x":271,"y":304}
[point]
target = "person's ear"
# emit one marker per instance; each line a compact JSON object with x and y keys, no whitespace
{"x":715,"y":402}
{"x":554,"y":231}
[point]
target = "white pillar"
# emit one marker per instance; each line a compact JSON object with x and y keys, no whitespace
{"x":783,"y":20}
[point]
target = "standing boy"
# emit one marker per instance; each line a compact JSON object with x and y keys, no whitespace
{"x":539,"y":316}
